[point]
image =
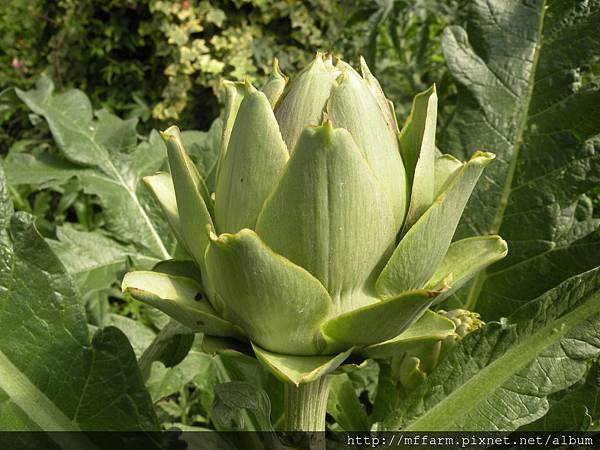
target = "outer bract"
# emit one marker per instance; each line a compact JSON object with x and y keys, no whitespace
{"x":330,"y":230}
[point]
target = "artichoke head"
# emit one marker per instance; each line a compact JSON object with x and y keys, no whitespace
{"x":329,"y":231}
{"x":412,"y":367}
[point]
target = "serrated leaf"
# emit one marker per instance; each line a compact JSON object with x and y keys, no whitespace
{"x":528,"y":94}
{"x":94,"y":260}
{"x":103,"y":153}
{"x":52,"y":376}
{"x":498,"y":378}
{"x":577,"y":409}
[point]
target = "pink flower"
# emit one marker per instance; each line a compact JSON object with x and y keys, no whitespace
{"x":16,"y":63}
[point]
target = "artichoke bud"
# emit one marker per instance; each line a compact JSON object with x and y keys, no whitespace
{"x":413,"y":367}
{"x":310,"y":255}
{"x":465,"y":321}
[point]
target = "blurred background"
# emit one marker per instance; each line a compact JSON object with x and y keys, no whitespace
{"x":161,"y":61}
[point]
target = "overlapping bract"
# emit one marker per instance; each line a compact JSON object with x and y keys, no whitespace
{"x":330,"y":230}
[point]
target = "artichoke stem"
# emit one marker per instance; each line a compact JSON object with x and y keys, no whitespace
{"x":306,"y":406}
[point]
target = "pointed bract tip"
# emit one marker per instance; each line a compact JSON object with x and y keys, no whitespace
{"x":317,"y":63}
{"x":327,"y":130}
{"x":276,"y":70}
{"x":226,"y":83}
{"x":364,"y":69}
{"x":170,"y":133}
{"x":486,"y":156}
{"x":248,"y":86}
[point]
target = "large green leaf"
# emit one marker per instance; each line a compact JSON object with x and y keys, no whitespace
{"x":51,"y":376}
{"x":576,"y":410}
{"x":529,"y":95}
{"x":104,"y":154}
{"x":500,"y":376}
{"x":94,"y":260}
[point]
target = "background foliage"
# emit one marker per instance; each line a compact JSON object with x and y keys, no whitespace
{"x":163,"y":61}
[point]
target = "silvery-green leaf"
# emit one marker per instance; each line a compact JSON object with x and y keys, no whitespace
{"x":194,"y":215}
{"x":93,"y":260}
{"x":299,"y":369}
{"x":104,"y":154}
{"x":304,"y":101}
{"x":252,"y":165}
{"x":50,"y":369}
{"x":542,"y":348}
{"x":424,"y":246}
{"x":430,"y":327}
{"x":177,"y":297}
{"x":378,"y":322}
{"x":464,"y":259}
{"x":353,"y":107}
{"x":328,"y":215}
{"x":417,"y":144}
{"x":577,"y":409}
{"x":275,"y":85}
{"x":528,"y":91}
{"x":279,"y":305}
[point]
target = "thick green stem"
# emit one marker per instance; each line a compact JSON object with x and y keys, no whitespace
{"x":306,"y":405}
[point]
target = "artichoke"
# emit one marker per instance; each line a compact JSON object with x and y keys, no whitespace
{"x":413,"y":367}
{"x":329,"y":231}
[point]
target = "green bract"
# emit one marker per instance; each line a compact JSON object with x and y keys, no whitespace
{"x":330,"y":230}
